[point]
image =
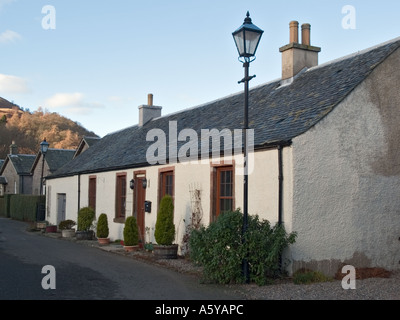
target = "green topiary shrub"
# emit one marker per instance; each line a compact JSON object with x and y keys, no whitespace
{"x":102,"y":226}
{"x":86,"y":217}
{"x":164,"y":232}
{"x":66,"y":225}
{"x":131,"y":233}
{"x":221,"y":248}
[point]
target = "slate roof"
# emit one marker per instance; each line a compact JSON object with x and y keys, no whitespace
{"x":276,"y":113}
{"x":85,"y":141}
{"x":91,"y":140}
{"x":57,"y":158}
{"x":22,"y":163}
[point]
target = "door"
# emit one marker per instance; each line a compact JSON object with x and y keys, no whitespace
{"x":61,"y":206}
{"x":140,"y":198}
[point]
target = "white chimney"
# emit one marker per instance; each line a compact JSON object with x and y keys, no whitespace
{"x":296,"y":56}
{"x":148,"y":112}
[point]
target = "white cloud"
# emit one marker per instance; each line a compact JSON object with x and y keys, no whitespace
{"x":73,"y":103}
{"x":60,"y":100}
{"x":13,"y":84}
{"x":9,"y":36}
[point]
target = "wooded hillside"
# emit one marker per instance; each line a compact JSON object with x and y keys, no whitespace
{"x":28,"y":129}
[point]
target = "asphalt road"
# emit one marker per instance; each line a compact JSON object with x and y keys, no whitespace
{"x":86,"y":273}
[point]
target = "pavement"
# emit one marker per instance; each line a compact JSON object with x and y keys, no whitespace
{"x":182,"y":264}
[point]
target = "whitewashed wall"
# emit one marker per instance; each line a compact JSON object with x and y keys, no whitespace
{"x":263,"y":193}
{"x":346,"y":204}
{"x":68,"y":186}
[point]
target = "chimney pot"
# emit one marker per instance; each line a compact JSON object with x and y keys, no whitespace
{"x":150,"y":99}
{"x":305,"y":34}
{"x":294,"y":32}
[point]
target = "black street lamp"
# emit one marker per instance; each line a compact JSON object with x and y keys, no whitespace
{"x":247,"y":38}
{"x":44,"y":146}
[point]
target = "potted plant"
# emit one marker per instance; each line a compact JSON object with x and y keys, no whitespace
{"x":164,"y":232}
{"x":103,"y":230}
{"x":51,"y":228}
{"x":67,"y":228}
{"x":131,"y":234}
{"x":86,"y":217}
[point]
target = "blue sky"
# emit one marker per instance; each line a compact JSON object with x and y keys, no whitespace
{"x":104,"y":57}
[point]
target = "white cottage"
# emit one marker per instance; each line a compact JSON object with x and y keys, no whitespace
{"x":326,"y":161}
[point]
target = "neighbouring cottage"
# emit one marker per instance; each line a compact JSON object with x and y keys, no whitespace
{"x":22,"y":173}
{"x":15,"y":174}
{"x":53,"y":160}
{"x":85,"y":143}
{"x":3,"y":180}
{"x":326,"y":160}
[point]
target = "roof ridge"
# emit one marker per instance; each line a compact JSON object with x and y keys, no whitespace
{"x":55,"y":149}
{"x":355,"y":54}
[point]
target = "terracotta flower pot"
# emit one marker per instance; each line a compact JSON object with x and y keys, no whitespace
{"x":131,"y":248}
{"x":103,"y":241}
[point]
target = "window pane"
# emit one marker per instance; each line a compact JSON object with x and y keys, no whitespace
{"x":121,"y":196}
{"x":167,"y":184}
{"x":225,"y":205}
{"x":225,"y":190}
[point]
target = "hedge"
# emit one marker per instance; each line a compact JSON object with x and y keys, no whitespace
{"x":25,"y":207}
{"x":5,"y":205}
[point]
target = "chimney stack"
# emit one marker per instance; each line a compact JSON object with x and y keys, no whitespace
{"x":148,"y":112}
{"x":296,"y":56}
{"x":13,"y":149}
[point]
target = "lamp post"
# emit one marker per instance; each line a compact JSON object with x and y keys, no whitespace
{"x":44,"y":146}
{"x":247,"y":37}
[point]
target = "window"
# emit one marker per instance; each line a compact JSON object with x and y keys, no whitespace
{"x":92,"y":192}
{"x":166,"y":183}
{"x":223,"y":190}
{"x":120,"y":200}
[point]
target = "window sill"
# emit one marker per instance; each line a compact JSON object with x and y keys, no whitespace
{"x":119,"y":220}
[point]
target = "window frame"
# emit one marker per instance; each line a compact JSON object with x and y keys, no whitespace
{"x":162,"y":173}
{"x":216,"y":188}
{"x":92,"y":194}
{"x":120,"y":213}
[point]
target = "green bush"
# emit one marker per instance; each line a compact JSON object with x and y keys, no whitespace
{"x":86,"y":217}
{"x":66,"y":225}
{"x":164,"y":232}
{"x":220,"y":249}
{"x":102,"y":226}
{"x":131,"y":233}
{"x":25,"y":207}
{"x":265,"y":245}
{"x":305,"y":276}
